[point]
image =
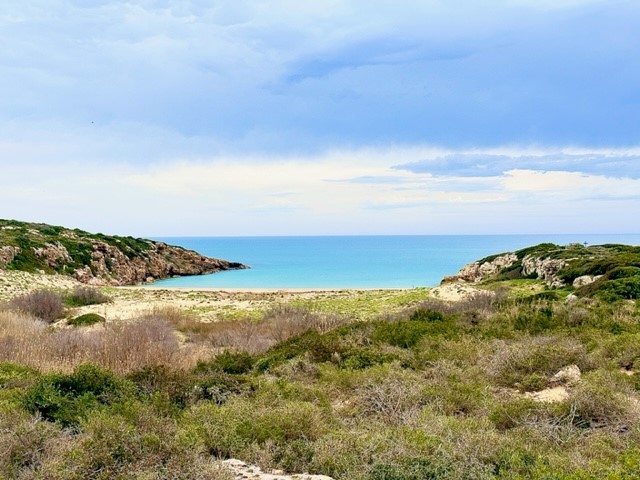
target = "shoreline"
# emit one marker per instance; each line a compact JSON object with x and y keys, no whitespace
{"x":218,"y":304}
{"x":273,"y":290}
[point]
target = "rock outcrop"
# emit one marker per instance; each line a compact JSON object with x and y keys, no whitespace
{"x":110,"y":266}
{"x":585,"y":280}
{"x":98,"y":259}
{"x":476,"y":271}
{"x":7,"y":254}
{"x":545,"y":268}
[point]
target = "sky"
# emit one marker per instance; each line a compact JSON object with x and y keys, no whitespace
{"x":290,"y":117}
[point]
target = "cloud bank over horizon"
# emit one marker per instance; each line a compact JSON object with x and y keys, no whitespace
{"x":186,"y":117}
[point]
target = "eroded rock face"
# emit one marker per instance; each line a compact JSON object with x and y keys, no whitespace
{"x":476,"y":272}
{"x":545,"y":268}
{"x":109,"y":265}
{"x":54,"y":254}
{"x":7,"y":254}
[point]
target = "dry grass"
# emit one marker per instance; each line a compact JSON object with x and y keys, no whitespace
{"x":120,"y":347}
{"x":46,"y":305}
{"x":253,"y":336}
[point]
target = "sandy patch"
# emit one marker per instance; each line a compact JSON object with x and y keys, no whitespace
{"x":549,"y":395}
{"x":454,"y":292}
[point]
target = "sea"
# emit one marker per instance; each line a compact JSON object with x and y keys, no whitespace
{"x":337,"y":262}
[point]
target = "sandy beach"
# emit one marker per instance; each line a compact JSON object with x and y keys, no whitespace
{"x":209,"y":304}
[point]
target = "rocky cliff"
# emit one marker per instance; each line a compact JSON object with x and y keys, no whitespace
{"x":610,"y":270}
{"x":98,"y":259}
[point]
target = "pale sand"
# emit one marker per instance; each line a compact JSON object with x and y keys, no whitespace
{"x":210,"y":304}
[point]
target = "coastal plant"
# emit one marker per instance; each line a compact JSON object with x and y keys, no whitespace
{"x":132,"y":440}
{"x":45,"y":305}
{"x":67,"y":399}
{"x":515,"y":363}
{"x":86,"y":320}
{"x":81,"y":296}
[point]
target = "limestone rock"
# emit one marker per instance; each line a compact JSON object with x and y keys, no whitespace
{"x":568,"y":375}
{"x":571,"y":298}
{"x":476,"y":272}
{"x":7,"y":254}
{"x":110,"y":266}
{"x":54,"y":254}
{"x":585,"y":280}
{"x":545,"y":268}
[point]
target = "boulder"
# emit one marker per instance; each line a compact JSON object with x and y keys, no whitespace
{"x":568,"y":375}
{"x":585,"y":280}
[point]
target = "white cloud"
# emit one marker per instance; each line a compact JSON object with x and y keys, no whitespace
{"x":335,"y":192}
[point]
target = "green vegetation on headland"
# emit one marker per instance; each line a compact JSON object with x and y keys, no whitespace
{"x":97,"y":258}
{"x":610,"y":272}
{"x":517,"y":381}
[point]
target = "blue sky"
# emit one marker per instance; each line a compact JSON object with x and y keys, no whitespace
{"x":189,"y":117}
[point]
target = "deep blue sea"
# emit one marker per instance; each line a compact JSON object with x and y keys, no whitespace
{"x":355,"y":261}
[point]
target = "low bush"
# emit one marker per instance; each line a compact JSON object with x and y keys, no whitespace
{"x":86,"y":320}
{"x":311,"y":344}
{"x":527,"y":362}
{"x":603,"y":400}
{"x":407,"y":333}
{"x":132,"y":440}
{"x":231,"y":362}
{"x":411,"y":469}
{"x":43,"y":304}
{"x":69,"y":398}
{"x":81,"y":296}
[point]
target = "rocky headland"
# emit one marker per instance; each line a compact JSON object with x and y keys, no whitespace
{"x":609,"y":270}
{"x":98,"y":259}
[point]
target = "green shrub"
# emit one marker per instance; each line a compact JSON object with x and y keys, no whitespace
{"x":426,"y":315}
{"x":231,"y":362}
{"x":86,"y":320}
{"x":536,"y":320}
{"x":132,"y":441}
{"x":412,"y":469}
{"x":620,"y":289}
{"x":81,"y":296}
{"x":407,"y":333}
{"x":233,"y":429}
{"x":364,"y":357}
{"x":311,"y":344}
{"x":12,"y":375}
{"x":69,"y":398}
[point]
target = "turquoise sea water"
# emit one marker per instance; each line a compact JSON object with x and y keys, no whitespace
{"x":355,"y":261}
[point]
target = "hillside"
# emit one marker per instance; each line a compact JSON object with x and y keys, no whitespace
{"x":611,"y":272}
{"x":97,"y":259}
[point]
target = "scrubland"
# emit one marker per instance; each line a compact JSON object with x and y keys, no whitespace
{"x":426,"y":389}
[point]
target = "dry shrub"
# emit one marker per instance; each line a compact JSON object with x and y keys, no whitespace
{"x":43,"y":304}
{"x":544,"y":356}
{"x":602,"y":399}
{"x":26,"y":443}
{"x":253,"y":336}
{"x":121,"y":347}
{"x":395,"y":398}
